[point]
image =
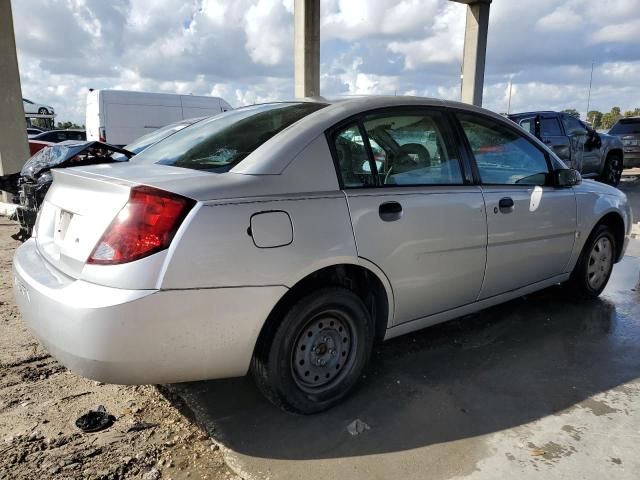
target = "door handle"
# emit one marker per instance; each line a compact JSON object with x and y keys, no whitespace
{"x":390,"y":211}
{"x":506,"y":204}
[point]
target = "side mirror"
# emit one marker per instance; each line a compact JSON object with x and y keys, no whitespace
{"x":567,"y":177}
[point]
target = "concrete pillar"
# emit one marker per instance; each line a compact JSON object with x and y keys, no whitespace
{"x":475,"y":50}
{"x":306,"y":26}
{"x":14,"y":149}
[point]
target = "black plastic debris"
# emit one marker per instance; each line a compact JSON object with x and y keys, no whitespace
{"x":95,"y":420}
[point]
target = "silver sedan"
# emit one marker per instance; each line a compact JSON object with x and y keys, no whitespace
{"x":286,"y":238}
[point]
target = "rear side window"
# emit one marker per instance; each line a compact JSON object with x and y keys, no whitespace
{"x":353,"y":162}
{"x":411,"y":148}
{"x":219,"y":143}
{"x":503,"y":156}
{"x":549,"y":127}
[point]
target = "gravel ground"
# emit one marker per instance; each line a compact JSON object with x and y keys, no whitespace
{"x":152,"y":436}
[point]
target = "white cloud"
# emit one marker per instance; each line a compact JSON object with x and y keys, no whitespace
{"x":242,"y":50}
{"x":628,"y":32}
{"x":268,"y":45}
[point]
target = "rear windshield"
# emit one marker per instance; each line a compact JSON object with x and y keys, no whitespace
{"x":626,"y":127}
{"x":219,"y":143}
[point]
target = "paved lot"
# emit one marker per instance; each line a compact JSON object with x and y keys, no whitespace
{"x":542,"y":387}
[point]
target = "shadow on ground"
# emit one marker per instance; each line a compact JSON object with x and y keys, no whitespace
{"x":487,"y":372}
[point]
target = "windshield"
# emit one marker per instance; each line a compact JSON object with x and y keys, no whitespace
{"x":219,"y":143}
{"x":626,"y":127}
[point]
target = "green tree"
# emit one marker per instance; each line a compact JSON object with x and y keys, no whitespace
{"x":595,"y":118}
{"x":572,"y":111}
{"x":609,"y":119}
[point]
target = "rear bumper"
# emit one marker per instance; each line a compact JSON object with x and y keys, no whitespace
{"x":140,"y":336}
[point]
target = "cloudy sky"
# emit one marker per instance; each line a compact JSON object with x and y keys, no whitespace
{"x":242,"y":50}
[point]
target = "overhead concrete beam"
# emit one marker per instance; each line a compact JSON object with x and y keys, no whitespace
{"x":306,"y":48}
{"x":14,"y":149}
{"x":475,"y":50}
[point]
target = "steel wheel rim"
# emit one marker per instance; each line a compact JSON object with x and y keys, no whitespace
{"x":324,"y":351}
{"x":600,"y":263}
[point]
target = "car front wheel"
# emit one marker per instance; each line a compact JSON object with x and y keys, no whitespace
{"x":43,"y":111}
{"x":594,"y":267}
{"x":317,"y":353}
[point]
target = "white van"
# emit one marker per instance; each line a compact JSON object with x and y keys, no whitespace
{"x":119,"y":116}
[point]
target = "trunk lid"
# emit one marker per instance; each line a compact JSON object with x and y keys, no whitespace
{"x":81,"y":204}
{"x":83,"y":201}
{"x":76,"y":212}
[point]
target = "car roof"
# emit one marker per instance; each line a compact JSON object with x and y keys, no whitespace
{"x":524,"y":114}
{"x":274,"y":156}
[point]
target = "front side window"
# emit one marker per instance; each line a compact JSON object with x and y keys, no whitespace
{"x":573,"y":126}
{"x":503,"y":156}
{"x":412,"y":149}
{"x":219,"y":143}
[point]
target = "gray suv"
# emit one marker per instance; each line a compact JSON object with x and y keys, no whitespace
{"x":593,"y":154}
{"x":628,"y":131}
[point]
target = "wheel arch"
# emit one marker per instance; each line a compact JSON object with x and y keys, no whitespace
{"x":615,"y":222}
{"x":364,"y":279}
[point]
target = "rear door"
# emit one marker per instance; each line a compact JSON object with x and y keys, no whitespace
{"x":550,"y":133}
{"x":531,"y":223}
{"x":414,"y":212}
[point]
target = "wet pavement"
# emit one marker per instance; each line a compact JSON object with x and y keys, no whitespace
{"x":542,"y":384}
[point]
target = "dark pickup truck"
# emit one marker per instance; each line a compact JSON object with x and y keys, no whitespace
{"x":578,"y":145}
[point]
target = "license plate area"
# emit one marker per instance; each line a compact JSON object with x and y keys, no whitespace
{"x":63,"y":219}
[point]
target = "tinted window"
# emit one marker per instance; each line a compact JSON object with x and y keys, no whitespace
{"x":626,"y":127}
{"x":219,"y":143}
{"x":352,"y":158}
{"x":503,"y":156}
{"x":573,"y":126}
{"x":411,"y":149}
{"x":549,"y":127}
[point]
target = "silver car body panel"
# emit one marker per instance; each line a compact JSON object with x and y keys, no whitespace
{"x":195,"y":310}
{"x":532,"y":242}
{"x":140,"y":336}
{"x":424,"y":253}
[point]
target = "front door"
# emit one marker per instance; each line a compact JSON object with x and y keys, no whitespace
{"x":531,"y":223}
{"x":412,"y":211}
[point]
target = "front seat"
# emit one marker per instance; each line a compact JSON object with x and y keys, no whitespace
{"x":411,"y":156}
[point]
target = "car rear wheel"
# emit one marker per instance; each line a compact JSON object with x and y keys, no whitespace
{"x":594,"y":267}
{"x":612,"y":169}
{"x":317,"y":353}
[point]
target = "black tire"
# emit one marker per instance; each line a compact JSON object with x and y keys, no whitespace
{"x":590,"y":275}
{"x":290,"y":365}
{"x":612,"y":169}
{"x":43,"y":111}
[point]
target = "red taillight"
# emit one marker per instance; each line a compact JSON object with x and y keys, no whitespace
{"x":102,"y":135}
{"x":145,"y":225}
